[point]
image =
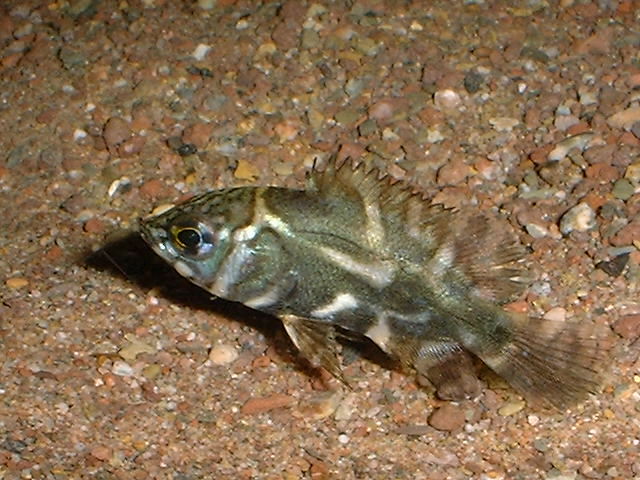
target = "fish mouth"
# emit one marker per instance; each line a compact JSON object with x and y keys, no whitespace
{"x":156,"y":238}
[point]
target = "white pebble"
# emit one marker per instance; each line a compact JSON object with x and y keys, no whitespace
{"x":122,"y":369}
{"x":579,"y":218}
{"x":503,"y":124}
{"x":201,"y":51}
{"x":343,"y":438}
{"x":533,"y":420}
{"x":223,"y":354}
{"x":581,"y":142}
{"x":79,"y":134}
{"x":446,"y":99}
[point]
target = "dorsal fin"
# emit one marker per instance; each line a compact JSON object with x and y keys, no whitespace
{"x":481,"y":247}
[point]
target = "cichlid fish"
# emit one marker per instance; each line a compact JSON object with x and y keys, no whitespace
{"x":356,"y":253}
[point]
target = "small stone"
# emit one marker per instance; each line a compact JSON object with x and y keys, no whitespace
{"x":473,"y":81}
{"x":246,"y":171}
{"x":286,"y":131}
{"x":632,"y":173}
{"x":628,"y":326}
{"x":446,"y":99}
{"x":254,"y":406}
{"x":94,"y":225}
{"x":122,"y":369}
{"x":120,"y":185}
{"x":320,"y":406}
{"x":223,"y":354}
{"x":533,"y":420}
{"x":503,"y":124}
{"x":511,"y":408}
{"x":151,"y":371}
{"x":564,"y":122}
{"x":152,"y":188}
{"x":447,"y":418}
{"x":627,"y":235}
{"x":130,"y":351}
{"x":615,"y":266}
{"x":624,"y":119}
{"x":201,"y":51}
{"x":101,"y":452}
{"x":347,"y":116}
{"x":580,"y":218}
{"x":579,"y":142}
{"x":79,"y":134}
{"x":16,"y":282}
{"x":453,"y":172}
{"x":316,"y":119}
{"x":623,"y":189}
{"x":556,"y":314}
{"x":536,"y":231}
{"x":198,"y":134}
{"x":207,"y":4}
{"x":343,"y":438}
{"x":382,"y":110}
{"x":116,"y":131}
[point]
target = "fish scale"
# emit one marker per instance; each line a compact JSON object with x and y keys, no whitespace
{"x":359,"y":253}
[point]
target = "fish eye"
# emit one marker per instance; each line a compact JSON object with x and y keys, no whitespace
{"x":192,"y":239}
{"x":188,"y":238}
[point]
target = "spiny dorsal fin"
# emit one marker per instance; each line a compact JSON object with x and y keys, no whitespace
{"x":482,"y":248}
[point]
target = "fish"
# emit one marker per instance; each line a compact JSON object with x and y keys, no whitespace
{"x":358,"y":254}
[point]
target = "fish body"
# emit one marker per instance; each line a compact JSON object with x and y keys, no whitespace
{"x":359,"y":254}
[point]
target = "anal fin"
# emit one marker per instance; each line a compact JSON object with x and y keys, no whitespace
{"x":449,"y":368}
{"x":316,"y":342}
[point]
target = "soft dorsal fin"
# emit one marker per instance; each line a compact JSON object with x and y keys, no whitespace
{"x":481,"y":247}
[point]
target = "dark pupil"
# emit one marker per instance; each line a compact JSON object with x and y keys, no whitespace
{"x":189,"y":237}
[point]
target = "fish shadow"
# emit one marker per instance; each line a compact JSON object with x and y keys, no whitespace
{"x":131,"y":259}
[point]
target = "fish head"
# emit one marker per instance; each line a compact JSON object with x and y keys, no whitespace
{"x":192,"y":237}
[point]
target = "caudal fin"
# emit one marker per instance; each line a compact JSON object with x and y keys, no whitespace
{"x":555,"y":362}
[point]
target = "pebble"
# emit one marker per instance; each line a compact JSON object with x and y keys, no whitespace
{"x":119,"y":185}
{"x":16,"y":282}
{"x":446,"y":99}
{"x":556,"y":314}
{"x":564,"y":122}
{"x":580,"y":218}
{"x":116,"y":131}
{"x":623,"y":189}
{"x":223,"y":354}
{"x":536,"y":231}
{"x":101,"y":452}
{"x":122,"y":369}
{"x":258,"y":405}
{"x":580,"y":142}
{"x":628,"y":326}
{"x":94,"y":226}
{"x":533,"y":420}
{"x":624,"y":119}
{"x":511,"y":408}
{"x":632,"y":173}
{"x":130,"y":351}
{"x":447,"y":418}
{"x":246,"y":171}
{"x":286,"y":131}
{"x":503,"y":124}
{"x":320,"y":406}
{"x":201,"y":51}
{"x":152,"y":188}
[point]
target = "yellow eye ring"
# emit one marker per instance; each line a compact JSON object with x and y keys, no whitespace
{"x":187,"y":238}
